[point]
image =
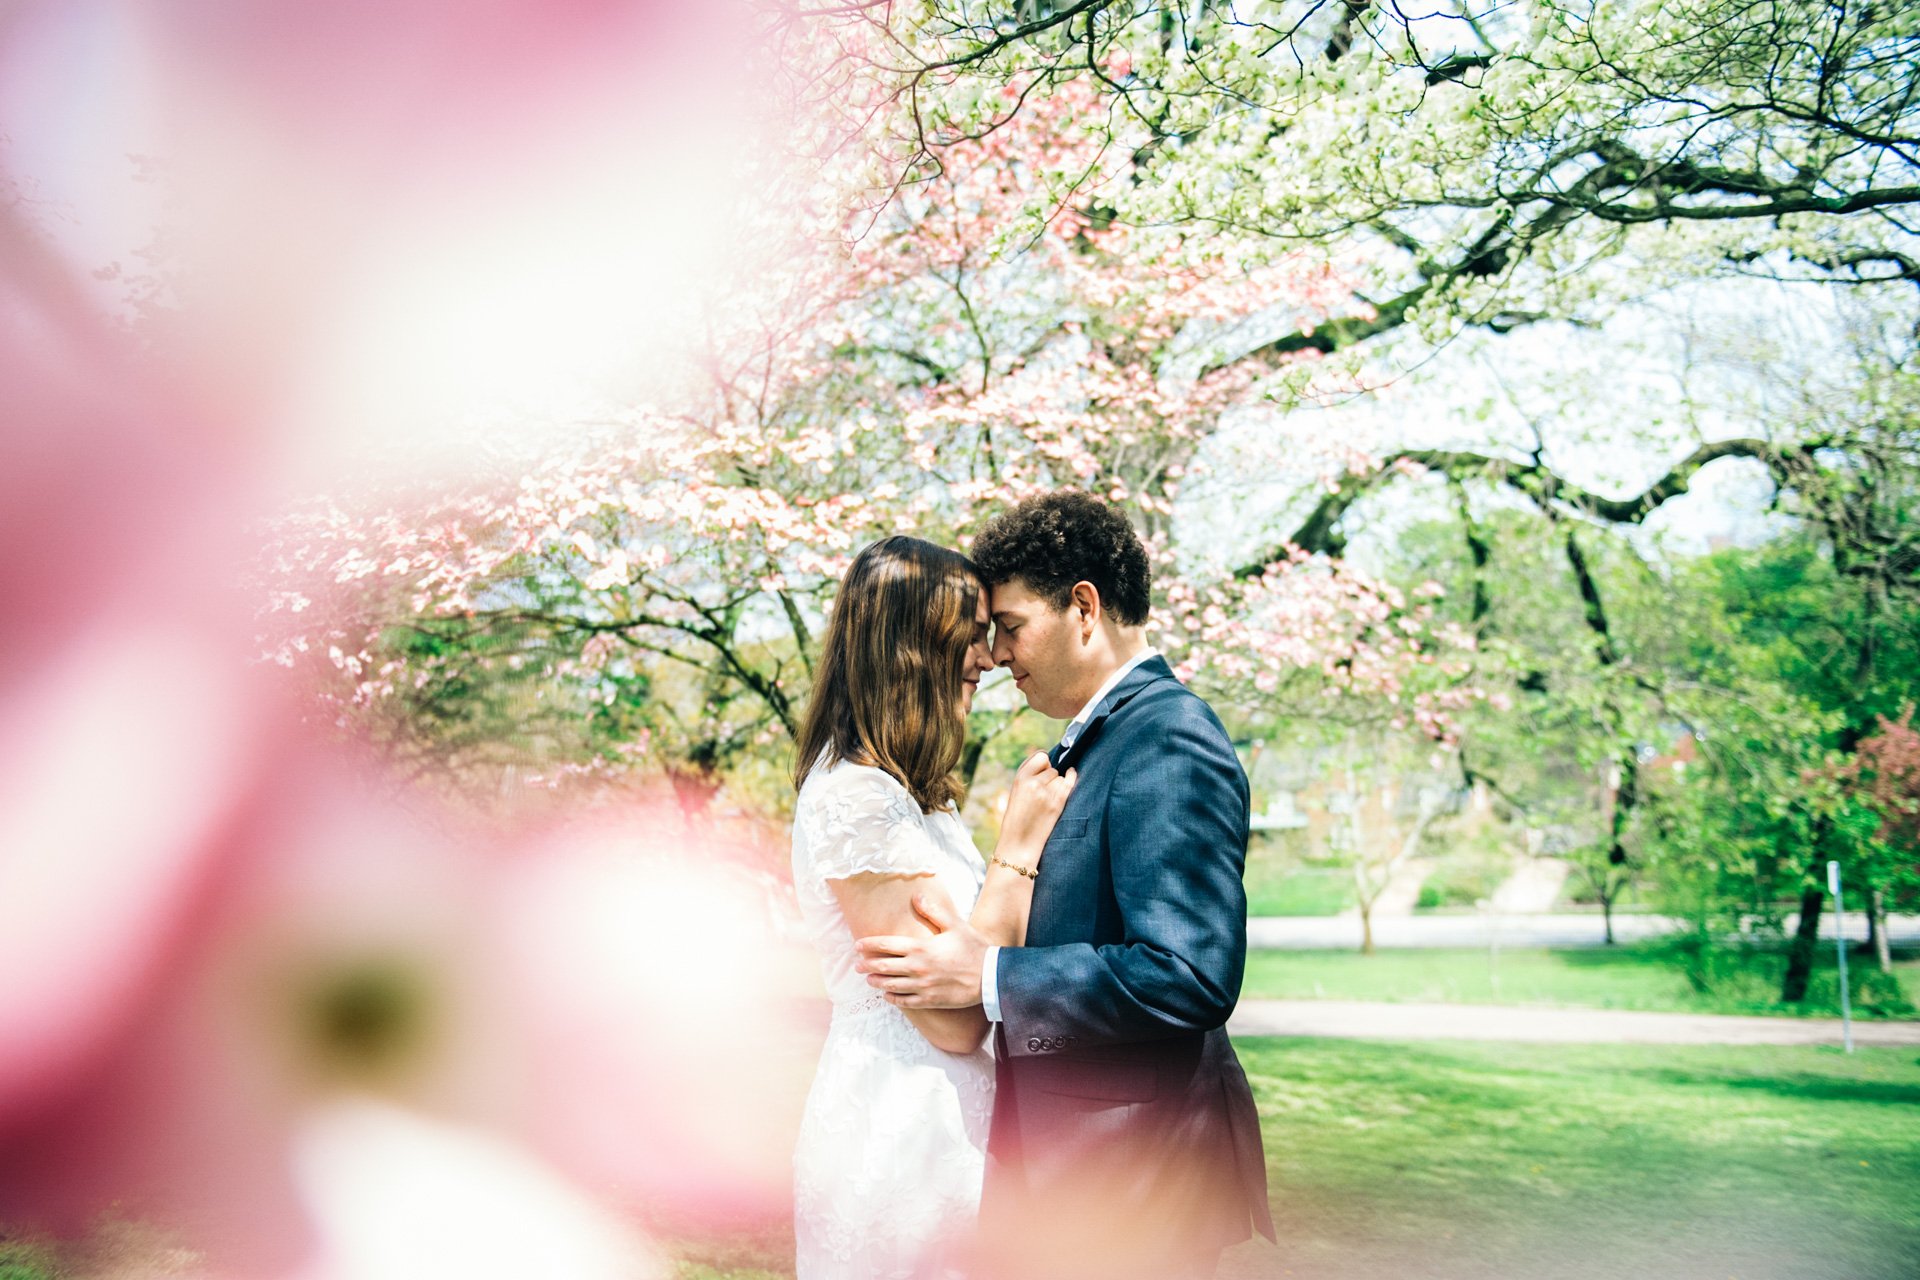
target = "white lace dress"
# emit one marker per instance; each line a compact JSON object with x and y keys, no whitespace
{"x":892,"y":1147}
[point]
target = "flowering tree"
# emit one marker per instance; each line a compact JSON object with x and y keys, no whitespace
{"x":1476,"y":169}
{"x":1485,"y":156}
{"x":1883,"y":778}
{"x":655,"y":590}
{"x":1886,"y":772}
{"x":1472,"y":170}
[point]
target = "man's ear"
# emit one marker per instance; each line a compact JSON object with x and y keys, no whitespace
{"x":1086,"y":601}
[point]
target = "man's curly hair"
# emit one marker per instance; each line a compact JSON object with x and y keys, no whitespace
{"x":1068,"y":536}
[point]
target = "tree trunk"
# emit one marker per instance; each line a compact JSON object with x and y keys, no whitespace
{"x":970,"y":760}
{"x":1606,"y":913}
{"x":1877,"y":929}
{"x":1364,"y":893}
{"x":1806,"y":937}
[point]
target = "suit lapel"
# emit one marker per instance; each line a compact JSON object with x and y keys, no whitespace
{"x":1151,"y":671}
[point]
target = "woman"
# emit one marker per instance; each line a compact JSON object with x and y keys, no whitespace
{"x":888,"y":1167}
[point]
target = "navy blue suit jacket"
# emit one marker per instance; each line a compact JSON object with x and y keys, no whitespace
{"x":1118,"y":1093}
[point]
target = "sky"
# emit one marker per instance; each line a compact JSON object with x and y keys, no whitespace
{"x":1611,"y":407}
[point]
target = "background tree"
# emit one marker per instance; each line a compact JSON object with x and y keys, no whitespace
{"x":928,"y":360}
{"x":1387,"y":810}
{"x":1883,"y":778}
{"x":1480,"y":159}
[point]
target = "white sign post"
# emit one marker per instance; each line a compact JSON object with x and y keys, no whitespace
{"x":1840,"y":950}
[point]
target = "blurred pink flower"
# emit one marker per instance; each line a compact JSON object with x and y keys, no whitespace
{"x":252,"y":992}
{"x":600,"y":1000}
{"x":400,"y":1196}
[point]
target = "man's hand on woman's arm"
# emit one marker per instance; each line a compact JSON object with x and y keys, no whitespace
{"x":903,"y":905}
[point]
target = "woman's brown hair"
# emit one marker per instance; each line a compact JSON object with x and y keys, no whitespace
{"x":886,"y":691}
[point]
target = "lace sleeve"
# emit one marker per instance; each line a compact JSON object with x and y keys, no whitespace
{"x":856,"y":820}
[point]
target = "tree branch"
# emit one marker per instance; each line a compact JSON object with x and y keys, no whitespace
{"x":1015,"y":36}
{"x":1318,"y":532}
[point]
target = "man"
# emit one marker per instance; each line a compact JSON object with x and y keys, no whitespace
{"x":1124,"y":1139}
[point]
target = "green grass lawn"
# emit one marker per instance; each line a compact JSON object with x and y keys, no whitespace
{"x":1428,"y":1162}
{"x":1532,"y":1162}
{"x":1599,"y":978}
{"x":1591,"y":1162}
{"x":1276,"y":889}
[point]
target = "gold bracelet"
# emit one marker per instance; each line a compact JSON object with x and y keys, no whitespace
{"x":1031,"y":873}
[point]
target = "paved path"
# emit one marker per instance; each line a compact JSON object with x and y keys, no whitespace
{"x":1534,"y":885}
{"x":1376,"y":1020}
{"x":1566,"y":929}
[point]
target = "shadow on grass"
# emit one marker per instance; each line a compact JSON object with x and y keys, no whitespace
{"x":1810,"y":1087}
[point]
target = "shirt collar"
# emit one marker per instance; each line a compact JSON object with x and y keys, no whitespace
{"x":1079,"y":721}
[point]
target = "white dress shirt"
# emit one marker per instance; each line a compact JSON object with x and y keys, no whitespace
{"x":990,"y":968}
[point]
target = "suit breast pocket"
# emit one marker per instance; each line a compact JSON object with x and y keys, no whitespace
{"x":1070,"y":829}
